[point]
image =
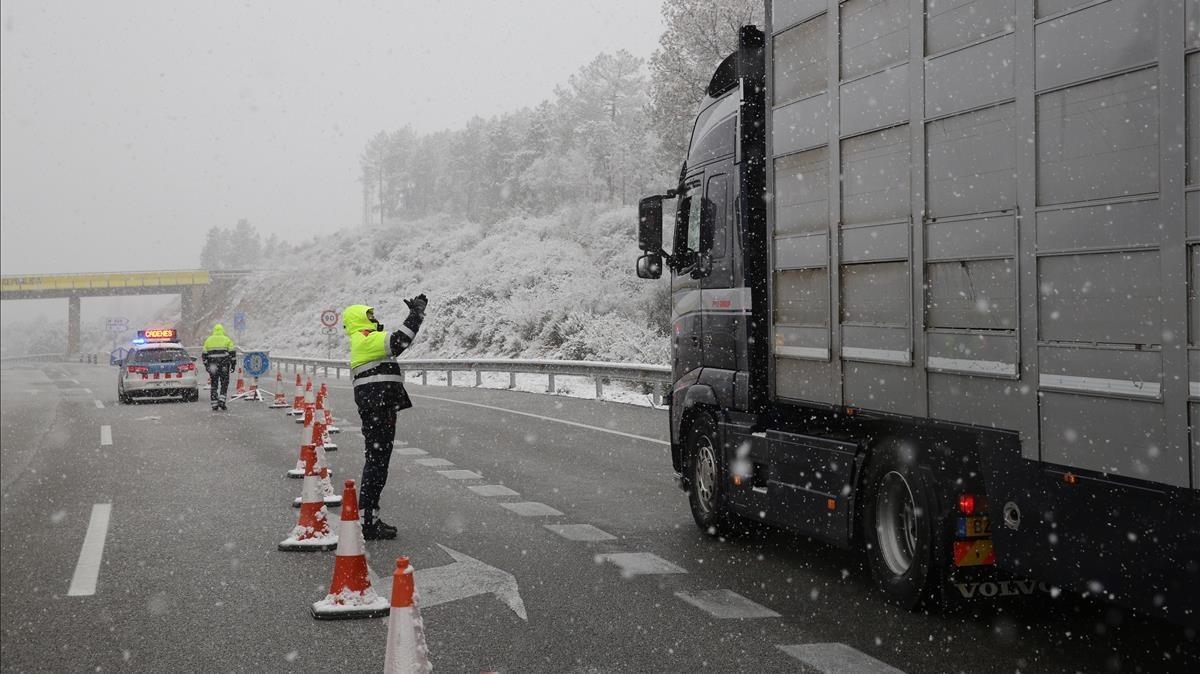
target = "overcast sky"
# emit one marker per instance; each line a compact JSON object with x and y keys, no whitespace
{"x":152,"y":121}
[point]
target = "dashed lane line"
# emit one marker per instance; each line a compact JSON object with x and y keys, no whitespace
{"x":493,"y":490}
{"x":640,"y":564}
{"x":106,"y":435}
{"x":460,"y":474}
{"x":726,"y":604}
{"x":434,"y":462}
{"x":837,"y":658}
{"x":532,"y":509}
{"x":545,"y":418}
{"x":99,"y":405}
{"x":409,"y":451}
{"x":580,"y":532}
{"x":87,"y":569}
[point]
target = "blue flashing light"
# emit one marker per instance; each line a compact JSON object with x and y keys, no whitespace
{"x":139,"y":340}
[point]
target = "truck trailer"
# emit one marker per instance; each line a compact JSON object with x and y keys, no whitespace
{"x":934,"y":297}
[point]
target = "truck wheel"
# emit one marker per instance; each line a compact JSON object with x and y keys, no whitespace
{"x":707,"y":477}
{"x":900,"y":527}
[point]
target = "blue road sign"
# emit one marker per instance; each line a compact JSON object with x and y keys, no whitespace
{"x":239,"y":321}
{"x":256,"y":363}
{"x":117,"y":355}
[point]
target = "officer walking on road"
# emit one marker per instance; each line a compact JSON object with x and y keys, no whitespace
{"x":219,"y":357}
{"x":379,"y":394}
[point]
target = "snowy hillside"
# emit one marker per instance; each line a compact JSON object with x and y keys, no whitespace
{"x":558,"y":286}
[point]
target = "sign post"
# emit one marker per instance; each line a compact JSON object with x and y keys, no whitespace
{"x":329,"y":319}
{"x":255,"y":363}
{"x":239,"y":323}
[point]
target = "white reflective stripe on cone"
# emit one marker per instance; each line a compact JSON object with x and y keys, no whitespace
{"x":406,"y":651}
{"x":350,"y":543}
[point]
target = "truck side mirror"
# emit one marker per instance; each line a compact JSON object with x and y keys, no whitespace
{"x":650,"y":225}
{"x":650,"y":266}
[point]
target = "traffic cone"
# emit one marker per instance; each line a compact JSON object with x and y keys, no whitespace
{"x":329,"y":425}
{"x":298,"y":401}
{"x":350,"y":592}
{"x":306,"y":440}
{"x":280,"y":399}
{"x":241,"y":384}
{"x":406,"y":649}
{"x":312,"y":530}
{"x":331,"y":498}
{"x":321,"y":421}
{"x":309,"y":400}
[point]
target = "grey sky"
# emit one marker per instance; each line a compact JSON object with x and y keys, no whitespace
{"x":156,"y":120}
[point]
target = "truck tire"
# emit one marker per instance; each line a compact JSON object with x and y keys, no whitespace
{"x":707,"y":478}
{"x":900,"y":526}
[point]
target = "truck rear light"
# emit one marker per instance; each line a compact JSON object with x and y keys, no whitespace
{"x":966,"y":504}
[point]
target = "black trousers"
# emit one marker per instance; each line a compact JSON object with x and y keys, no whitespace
{"x":218,"y":377}
{"x":379,"y":433}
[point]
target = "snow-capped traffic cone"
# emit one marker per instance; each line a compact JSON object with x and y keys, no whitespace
{"x":332,"y":499}
{"x":309,"y":399}
{"x":329,"y":425}
{"x":280,"y":399}
{"x":298,"y":401}
{"x":350,"y":592}
{"x":241,"y":384}
{"x":406,"y":649}
{"x":321,"y":422}
{"x":312,"y":530}
{"x":306,"y":440}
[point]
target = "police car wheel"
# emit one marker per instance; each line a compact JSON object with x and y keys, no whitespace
{"x":900,"y":529}
{"x":191,"y":395}
{"x":124,"y":399}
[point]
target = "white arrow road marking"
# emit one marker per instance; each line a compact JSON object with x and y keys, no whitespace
{"x":838,"y":659}
{"x":106,"y":435}
{"x":87,"y":569}
{"x":464,"y":578}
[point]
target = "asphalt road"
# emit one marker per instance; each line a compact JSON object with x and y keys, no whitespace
{"x":189,"y":577}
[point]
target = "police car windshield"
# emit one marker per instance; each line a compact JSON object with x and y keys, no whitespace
{"x":146,"y":356}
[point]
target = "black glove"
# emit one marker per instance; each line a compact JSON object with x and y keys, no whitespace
{"x":418,"y":304}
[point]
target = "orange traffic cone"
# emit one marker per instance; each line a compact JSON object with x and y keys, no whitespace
{"x":306,"y":440}
{"x":329,"y":425}
{"x":280,"y":399}
{"x":350,"y":592}
{"x":321,"y":421}
{"x":298,"y":401}
{"x":331,"y":498}
{"x":312,"y":530}
{"x":241,"y":384}
{"x":406,"y":649}
{"x":309,"y":399}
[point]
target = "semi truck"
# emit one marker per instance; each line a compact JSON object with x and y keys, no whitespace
{"x":934,"y":269}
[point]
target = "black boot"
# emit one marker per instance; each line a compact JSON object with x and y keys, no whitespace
{"x":375,"y":529}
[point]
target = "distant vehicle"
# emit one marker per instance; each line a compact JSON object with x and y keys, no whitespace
{"x":935,"y":287}
{"x":157,"y":366}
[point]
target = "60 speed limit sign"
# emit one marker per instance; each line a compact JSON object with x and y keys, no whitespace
{"x":329,"y":318}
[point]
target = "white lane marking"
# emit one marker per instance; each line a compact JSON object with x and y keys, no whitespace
{"x":493,"y":490}
{"x":544,"y":418}
{"x":106,"y":435}
{"x":838,"y":659}
{"x":532,"y":509}
{"x":409,"y":451}
{"x":580,"y":532}
{"x":99,"y":405}
{"x":73,"y":381}
{"x":87,"y":390}
{"x":87,"y":569}
{"x":726,"y":604}
{"x":640,"y":563}
{"x":434,"y":463}
{"x":460,"y":474}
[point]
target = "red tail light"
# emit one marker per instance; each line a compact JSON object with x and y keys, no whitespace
{"x":137,"y":369}
{"x":187,"y":367}
{"x":966,"y":504}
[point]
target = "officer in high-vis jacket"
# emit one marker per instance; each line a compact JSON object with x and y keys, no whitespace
{"x":379,"y":393}
{"x":219,"y":357}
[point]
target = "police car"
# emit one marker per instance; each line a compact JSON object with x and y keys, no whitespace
{"x":157,"y":366}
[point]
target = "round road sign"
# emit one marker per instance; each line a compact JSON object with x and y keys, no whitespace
{"x":329,"y":318}
{"x":256,"y":363}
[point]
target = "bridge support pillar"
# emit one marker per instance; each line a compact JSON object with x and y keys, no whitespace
{"x":189,"y":299}
{"x":73,"y":307}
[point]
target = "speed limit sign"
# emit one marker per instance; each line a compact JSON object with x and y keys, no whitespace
{"x":329,"y":318}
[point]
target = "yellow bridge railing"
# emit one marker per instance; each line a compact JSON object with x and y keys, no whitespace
{"x":98,"y":281}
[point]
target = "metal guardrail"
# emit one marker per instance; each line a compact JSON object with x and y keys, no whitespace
{"x":600,"y":372}
{"x":42,"y":357}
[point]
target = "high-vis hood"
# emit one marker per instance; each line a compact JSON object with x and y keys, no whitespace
{"x":218,"y":329}
{"x":218,"y":340}
{"x":354,"y":319}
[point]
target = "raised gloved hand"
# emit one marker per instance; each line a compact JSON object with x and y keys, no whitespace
{"x":418,"y":303}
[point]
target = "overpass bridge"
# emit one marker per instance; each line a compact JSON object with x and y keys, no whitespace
{"x":188,"y":284}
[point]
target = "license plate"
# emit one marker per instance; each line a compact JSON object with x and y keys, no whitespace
{"x":974,"y":527}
